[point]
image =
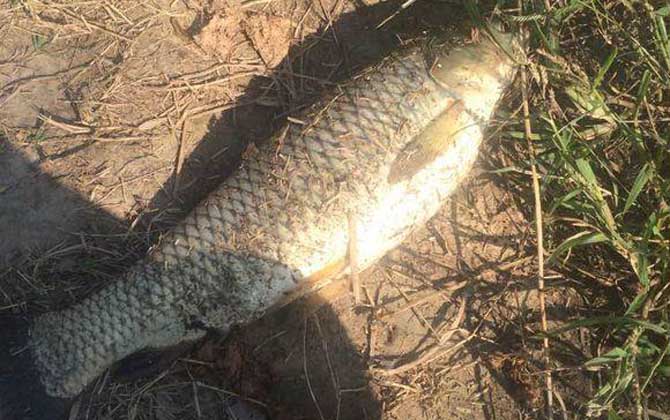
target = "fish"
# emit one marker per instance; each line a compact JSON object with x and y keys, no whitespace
{"x":384,"y":150}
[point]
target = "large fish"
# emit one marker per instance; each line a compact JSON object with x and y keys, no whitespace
{"x":384,"y":150}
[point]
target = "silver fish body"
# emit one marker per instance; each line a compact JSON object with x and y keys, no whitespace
{"x":385,"y":150}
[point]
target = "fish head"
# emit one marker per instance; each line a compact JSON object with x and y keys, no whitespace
{"x":477,"y":70}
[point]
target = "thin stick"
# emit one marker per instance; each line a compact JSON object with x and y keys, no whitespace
{"x":251,"y":3}
{"x":193,"y":112}
{"x":416,"y":302}
{"x":232,"y":394}
{"x":437,"y":350}
{"x":196,"y":399}
{"x":16,"y":85}
{"x":540,"y":241}
{"x":69,"y":127}
{"x":402,"y":7}
{"x":422,"y":320}
{"x":657,"y":414}
{"x":562,"y":404}
{"x":433,"y":353}
{"x":182,"y":85}
{"x":91,"y":24}
{"x":353,"y":260}
{"x":181,"y":123}
{"x":324,"y":346}
{"x":179,"y":159}
{"x":304,"y":367}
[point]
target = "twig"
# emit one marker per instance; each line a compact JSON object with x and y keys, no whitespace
{"x":422,"y":320}
{"x":657,"y":414}
{"x":402,"y":7}
{"x":331,"y":370}
{"x":562,"y":404}
{"x":100,"y":139}
{"x":540,"y":241}
{"x":353,"y":260}
{"x":179,"y":161}
{"x":69,"y":127}
{"x":304,"y":367}
{"x":456,"y":322}
{"x":400,"y":386}
{"x":449,"y":288}
{"x":214,"y":107}
{"x":230,"y":393}
{"x":196,"y":399}
{"x":118,"y":12}
{"x":186,"y":38}
{"x":267,"y":340}
{"x":120,"y":139}
{"x":74,"y":410}
{"x":14,"y":87}
{"x":181,"y":123}
{"x":438,"y":350}
{"x":192,"y":112}
{"x":181,"y":85}
{"x":251,"y":3}
{"x":422,"y":299}
{"x":91,"y":24}
{"x":196,"y":76}
{"x":435,"y":352}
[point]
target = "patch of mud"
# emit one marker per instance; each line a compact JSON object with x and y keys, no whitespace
{"x":270,"y":35}
{"x":221,"y":34}
{"x":228,"y":29}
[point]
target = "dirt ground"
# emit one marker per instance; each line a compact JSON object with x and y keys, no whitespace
{"x":117,"y":117}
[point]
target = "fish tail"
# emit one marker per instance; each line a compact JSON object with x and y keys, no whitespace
{"x":22,"y":394}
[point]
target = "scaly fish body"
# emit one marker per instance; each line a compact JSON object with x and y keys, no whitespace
{"x":385,"y":150}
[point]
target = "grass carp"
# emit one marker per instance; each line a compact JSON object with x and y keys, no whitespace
{"x":385,"y":149}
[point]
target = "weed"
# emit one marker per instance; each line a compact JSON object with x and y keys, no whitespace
{"x":37,"y":136}
{"x":601,"y":83}
{"x":39,"y":41}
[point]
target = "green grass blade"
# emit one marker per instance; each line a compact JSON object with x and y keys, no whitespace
{"x":620,"y":321}
{"x":641,"y":92}
{"x":614,"y":355}
{"x":606,"y":66}
{"x":580,"y":239}
{"x":612,"y":415}
{"x":662,"y":40}
{"x":584,"y":168}
{"x":637,"y":303}
{"x":640,"y":181}
{"x":564,"y":200}
{"x":642,"y":269}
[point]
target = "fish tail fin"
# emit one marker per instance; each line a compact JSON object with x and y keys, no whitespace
{"x":22,"y":394}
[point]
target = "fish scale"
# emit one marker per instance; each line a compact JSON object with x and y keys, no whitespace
{"x":279,"y":226}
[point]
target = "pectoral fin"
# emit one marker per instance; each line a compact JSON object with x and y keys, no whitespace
{"x":428,"y":145}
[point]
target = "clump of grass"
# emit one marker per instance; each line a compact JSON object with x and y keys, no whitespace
{"x":600,"y":76}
